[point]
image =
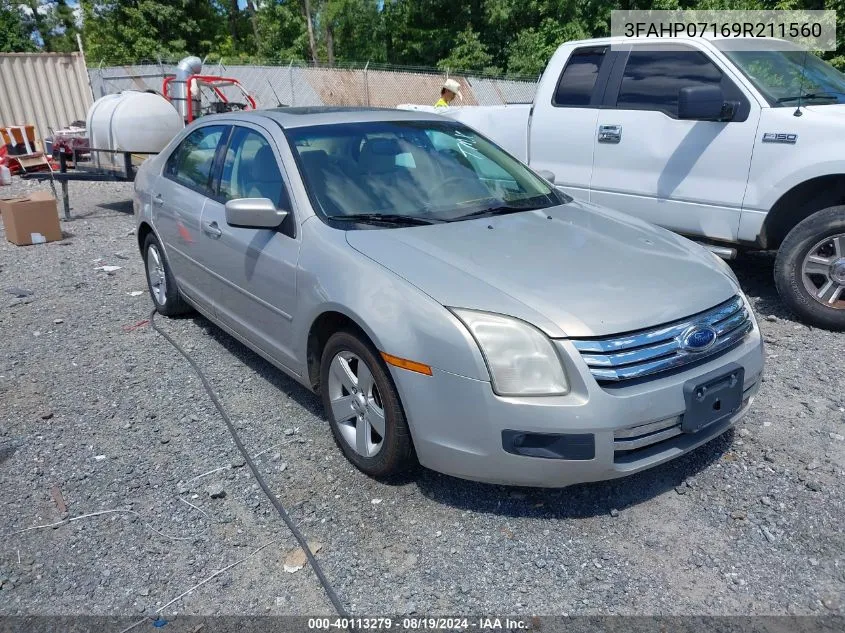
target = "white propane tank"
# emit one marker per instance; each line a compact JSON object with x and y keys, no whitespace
{"x":130,"y":121}
{"x":5,"y":175}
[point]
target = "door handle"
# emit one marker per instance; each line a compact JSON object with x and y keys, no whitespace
{"x":158,"y":200}
{"x":212,"y":230}
{"x":610,"y":133}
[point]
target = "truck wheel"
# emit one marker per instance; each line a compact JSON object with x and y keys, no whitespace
{"x":810,"y":269}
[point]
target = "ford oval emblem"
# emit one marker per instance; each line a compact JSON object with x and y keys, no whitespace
{"x":698,"y":338}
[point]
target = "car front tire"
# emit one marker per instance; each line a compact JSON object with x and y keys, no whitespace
{"x":363,"y":407}
{"x":810,"y":269}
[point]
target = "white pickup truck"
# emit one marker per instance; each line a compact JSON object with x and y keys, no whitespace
{"x":735,"y":148}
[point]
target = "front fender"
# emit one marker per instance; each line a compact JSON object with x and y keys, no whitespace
{"x":398,"y":318}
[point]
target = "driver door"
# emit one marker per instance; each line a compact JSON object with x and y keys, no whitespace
{"x":255,"y":269}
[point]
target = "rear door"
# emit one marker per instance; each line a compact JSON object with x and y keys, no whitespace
{"x":179,"y":195}
{"x":561,"y":137}
{"x":688,"y":176}
{"x":254,"y":270}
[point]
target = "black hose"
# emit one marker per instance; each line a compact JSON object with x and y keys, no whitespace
{"x":330,"y":592}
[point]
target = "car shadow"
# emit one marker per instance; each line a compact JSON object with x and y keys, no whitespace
{"x":579,"y":501}
{"x":755,"y":271}
{"x":121,"y":206}
{"x":266,"y":370}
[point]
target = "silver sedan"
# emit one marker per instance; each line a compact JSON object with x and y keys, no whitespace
{"x":451,"y":306}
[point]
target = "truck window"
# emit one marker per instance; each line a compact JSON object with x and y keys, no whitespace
{"x":653,"y":78}
{"x":578,"y":79}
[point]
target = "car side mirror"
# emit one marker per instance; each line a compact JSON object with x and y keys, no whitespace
{"x":704,"y":103}
{"x":254,"y":213}
{"x":545,"y":174}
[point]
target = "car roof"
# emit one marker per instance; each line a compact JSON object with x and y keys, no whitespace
{"x":618,"y":39}
{"x":295,"y":117}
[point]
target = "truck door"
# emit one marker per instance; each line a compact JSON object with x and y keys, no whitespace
{"x":688,"y":176}
{"x":564,"y":117}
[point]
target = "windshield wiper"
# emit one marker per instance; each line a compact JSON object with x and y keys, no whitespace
{"x":809,"y":96}
{"x":498,"y":210}
{"x":396,"y":219}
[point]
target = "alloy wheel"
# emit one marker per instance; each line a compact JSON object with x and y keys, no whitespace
{"x":156,"y":274}
{"x":823,"y":272}
{"x":356,"y":404}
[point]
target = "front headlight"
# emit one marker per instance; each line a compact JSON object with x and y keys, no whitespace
{"x":521,"y":359}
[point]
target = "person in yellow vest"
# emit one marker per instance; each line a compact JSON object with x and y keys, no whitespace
{"x":448,"y":92}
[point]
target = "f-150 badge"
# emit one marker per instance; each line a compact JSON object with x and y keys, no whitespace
{"x":779,"y":137}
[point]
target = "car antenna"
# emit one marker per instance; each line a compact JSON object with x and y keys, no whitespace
{"x":275,"y":94}
{"x":801,"y":88}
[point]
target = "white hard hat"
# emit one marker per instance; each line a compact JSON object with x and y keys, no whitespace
{"x":453,"y":86}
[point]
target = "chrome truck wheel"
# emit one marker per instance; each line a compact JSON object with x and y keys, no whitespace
{"x":823,"y":271}
{"x":810,"y":269}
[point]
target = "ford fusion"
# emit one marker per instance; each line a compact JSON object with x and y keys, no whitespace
{"x":450,"y":306}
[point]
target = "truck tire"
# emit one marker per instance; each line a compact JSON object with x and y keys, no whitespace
{"x":810,"y":269}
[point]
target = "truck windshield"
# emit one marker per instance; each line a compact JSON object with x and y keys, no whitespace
{"x":405,"y":173}
{"x":787,"y":76}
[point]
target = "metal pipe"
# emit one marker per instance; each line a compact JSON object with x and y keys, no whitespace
{"x":184,"y":69}
{"x":366,"y":84}
{"x":724,"y":252}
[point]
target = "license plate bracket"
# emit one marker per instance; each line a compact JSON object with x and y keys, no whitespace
{"x":713,"y":397}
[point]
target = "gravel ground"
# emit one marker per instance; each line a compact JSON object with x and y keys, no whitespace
{"x":98,"y":412}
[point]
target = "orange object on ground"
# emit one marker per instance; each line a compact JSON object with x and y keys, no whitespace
{"x":23,"y":149}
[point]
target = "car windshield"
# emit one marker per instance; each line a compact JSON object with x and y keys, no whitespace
{"x":786,"y":76}
{"x":412,"y":172}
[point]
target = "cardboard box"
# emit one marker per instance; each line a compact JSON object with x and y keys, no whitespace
{"x":31,"y":220}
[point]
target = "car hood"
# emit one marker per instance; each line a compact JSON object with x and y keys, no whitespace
{"x":572,"y":270}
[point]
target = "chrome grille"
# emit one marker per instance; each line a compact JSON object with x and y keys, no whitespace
{"x":634,"y":355}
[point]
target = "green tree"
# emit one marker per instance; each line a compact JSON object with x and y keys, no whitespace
{"x":533,"y":47}
{"x":15,"y":35}
{"x":134,"y":30}
{"x":421,"y":32}
{"x":468,"y":53}
{"x":354,"y":30}
{"x":282,"y":32}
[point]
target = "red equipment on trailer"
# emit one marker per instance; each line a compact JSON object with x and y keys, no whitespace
{"x":193,"y":86}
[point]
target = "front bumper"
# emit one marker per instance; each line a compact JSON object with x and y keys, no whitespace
{"x":457,"y":422}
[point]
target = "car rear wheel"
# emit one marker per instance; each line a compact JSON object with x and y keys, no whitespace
{"x":363,"y":407}
{"x":810,"y":269}
{"x":163,"y":291}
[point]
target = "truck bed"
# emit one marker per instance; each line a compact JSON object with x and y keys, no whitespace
{"x":507,"y":125}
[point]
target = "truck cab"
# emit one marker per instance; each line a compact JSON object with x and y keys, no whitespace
{"x":738,"y":144}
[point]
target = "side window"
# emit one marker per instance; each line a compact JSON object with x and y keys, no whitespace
{"x":191,"y":163}
{"x":578,"y":79}
{"x":250,"y":169}
{"x":653,"y":78}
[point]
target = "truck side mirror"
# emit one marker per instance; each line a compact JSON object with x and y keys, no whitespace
{"x":547,"y":175}
{"x":704,"y":103}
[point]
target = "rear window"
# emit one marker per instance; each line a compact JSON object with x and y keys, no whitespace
{"x":578,"y":79}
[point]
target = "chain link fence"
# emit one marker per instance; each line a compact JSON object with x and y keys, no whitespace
{"x":302,"y":84}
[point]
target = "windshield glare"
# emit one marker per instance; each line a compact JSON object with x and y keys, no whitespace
{"x":781,"y":75}
{"x":440,"y":171}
